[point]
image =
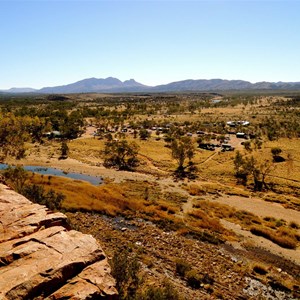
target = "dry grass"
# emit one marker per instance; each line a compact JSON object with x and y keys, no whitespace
{"x":284,"y":174}
{"x":202,"y":220}
{"x":290,"y":169}
{"x":127,"y":199}
{"x":151,"y":153}
{"x":133,"y":199}
{"x":49,"y":149}
{"x":155,"y":150}
{"x":214,"y":209}
{"x":204,"y":188}
{"x":81,"y":195}
{"x":285,"y":200}
{"x":282,"y":238}
{"x":215,"y":188}
{"x":208,"y":213}
{"x":87,"y":150}
{"x":222,"y":211}
{"x":160,"y":156}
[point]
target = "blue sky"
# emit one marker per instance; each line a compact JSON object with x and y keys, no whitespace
{"x":48,"y":43}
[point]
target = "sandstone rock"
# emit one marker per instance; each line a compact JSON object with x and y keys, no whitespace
{"x":88,"y":283}
{"x":20,"y":217}
{"x":40,"y":258}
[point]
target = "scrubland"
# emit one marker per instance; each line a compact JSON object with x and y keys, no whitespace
{"x":221,"y":227}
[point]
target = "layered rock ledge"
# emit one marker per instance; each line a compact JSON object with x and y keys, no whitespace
{"x":41,"y":258}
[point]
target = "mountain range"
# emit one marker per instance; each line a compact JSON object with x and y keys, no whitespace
{"x":114,"y":85}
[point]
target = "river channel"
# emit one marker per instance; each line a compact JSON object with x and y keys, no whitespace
{"x":94,"y":180}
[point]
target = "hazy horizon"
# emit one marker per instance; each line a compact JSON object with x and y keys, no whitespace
{"x":56,"y":43}
{"x":30,"y":87}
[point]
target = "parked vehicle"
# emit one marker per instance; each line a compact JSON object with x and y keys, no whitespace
{"x":227,"y":147}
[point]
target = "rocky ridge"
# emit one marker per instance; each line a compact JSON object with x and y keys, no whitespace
{"x":41,"y":258}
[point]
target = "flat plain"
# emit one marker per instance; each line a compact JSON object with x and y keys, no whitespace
{"x":234,"y":224}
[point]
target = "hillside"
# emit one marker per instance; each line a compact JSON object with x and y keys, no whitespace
{"x":94,"y":85}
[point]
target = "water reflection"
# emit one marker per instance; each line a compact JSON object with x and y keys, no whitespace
{"x":95,"y":180}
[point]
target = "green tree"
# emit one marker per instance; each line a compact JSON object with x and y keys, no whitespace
{"x":245,"y":166}
{"x":64,"y":150}
{"x":72,"y":125}
{"x":144,"y":134}
{"x":125,"y":269}
{"x":37,"y":194}
{"x":121,"y":154}
{"x":17,"y":177}
{"x":37,"y":127}
{"x":241,"y":173}
{"x":257,"y":144}
{"x":13,"y":136}
{"x":247,"y":145}
{"x":276,"y":151}
{"x":182,"y":150}
{"x":276,"y":157}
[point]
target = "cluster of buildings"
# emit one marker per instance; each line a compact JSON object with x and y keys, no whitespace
{"x":237,"y":123}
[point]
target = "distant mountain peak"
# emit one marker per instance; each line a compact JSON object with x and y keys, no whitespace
{"x":130,"y":80}
{"x":96,"y":85}
{"x":132,"y":83}
{"x":19,"y":90}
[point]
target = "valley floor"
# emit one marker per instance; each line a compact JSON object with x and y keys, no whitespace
{"x":230,"y":264}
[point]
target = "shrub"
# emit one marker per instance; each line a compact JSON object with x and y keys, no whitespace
{"x":294,"y":225}
{"x":202,"y":220}
{"x":17,"y":176}
{"x":153,"y":293}
{"x":182,"y":267}
{"x":37,"y":194}
{"x":207,"y":279}
{"x":280,"y":223}
{"x":203,"y":236}
{"x":167,"y":292}
{"x":276,"y":157}
{"x":170,"y":292}
{"x":125,"y":269}
{"x":276,"y":151}
{"x":193,"y":279}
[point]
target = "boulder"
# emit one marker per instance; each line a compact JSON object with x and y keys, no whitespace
{"x":41,"y":258}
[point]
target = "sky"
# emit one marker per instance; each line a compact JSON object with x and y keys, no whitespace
{"x":51,"y":42}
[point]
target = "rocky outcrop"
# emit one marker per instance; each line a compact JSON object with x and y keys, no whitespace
{"x":41,"y":258}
